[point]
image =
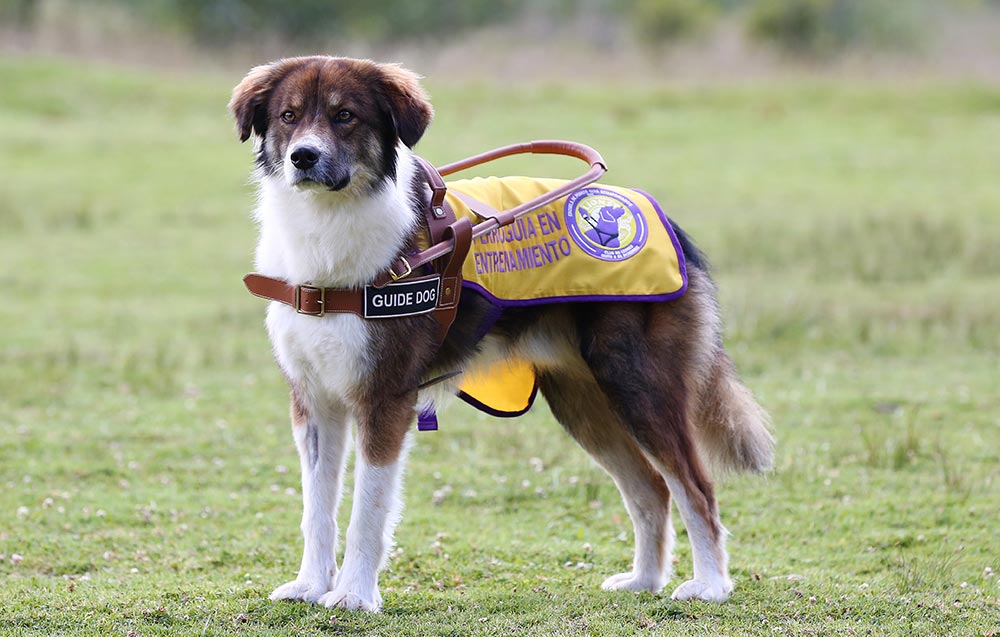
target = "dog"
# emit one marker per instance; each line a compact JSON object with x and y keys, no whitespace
{"x":646,"y":388}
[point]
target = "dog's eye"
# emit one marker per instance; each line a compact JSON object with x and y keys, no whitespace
{"x":288,"y":117}
{"x":344,"y":116}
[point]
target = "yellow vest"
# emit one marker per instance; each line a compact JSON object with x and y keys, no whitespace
{"x":599,"y":243}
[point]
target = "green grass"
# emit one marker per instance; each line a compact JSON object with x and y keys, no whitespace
{"x":855,"y":231}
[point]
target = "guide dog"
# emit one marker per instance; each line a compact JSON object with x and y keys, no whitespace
{"x":645,"y":388}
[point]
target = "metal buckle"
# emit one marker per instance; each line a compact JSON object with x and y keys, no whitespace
{"x":298,"y":300}
{"x":397,"y":277}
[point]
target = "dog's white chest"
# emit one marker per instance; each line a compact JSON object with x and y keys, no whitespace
{"x":326,"y":356}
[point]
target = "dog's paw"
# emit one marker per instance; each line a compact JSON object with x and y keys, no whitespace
{"x":634,"y":582}
{"x":716,"y":591}
{"x":350,"y":600}
{"x":301,"y":591}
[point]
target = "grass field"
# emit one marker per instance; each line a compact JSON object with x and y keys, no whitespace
{"x":148,"y":481}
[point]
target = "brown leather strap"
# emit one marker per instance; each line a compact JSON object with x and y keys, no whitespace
{"x":481,"y":208}
{"x":317,"y":301}
{"x":460,"y":232}
{"x":538,"y":147}
{"x":305,"y":299}
{"x":434,"y":180}
{"x":438,"y":215}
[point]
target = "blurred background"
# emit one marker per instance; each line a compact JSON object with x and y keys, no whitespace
{"x":645,"y":39}
{"x":837,"y":159}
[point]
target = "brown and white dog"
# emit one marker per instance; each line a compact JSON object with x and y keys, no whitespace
{"x":636,"y":384}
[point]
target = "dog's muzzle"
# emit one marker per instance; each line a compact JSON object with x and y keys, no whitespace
{"x":312,"y":166}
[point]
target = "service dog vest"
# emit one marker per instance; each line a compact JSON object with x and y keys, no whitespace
{"x":600,"y":243}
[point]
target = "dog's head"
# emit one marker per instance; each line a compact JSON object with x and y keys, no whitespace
{"x":328,"y":123}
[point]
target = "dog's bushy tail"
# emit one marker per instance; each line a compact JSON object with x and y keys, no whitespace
{"x":731,"y":428}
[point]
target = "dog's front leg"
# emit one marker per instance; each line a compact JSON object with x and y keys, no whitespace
{"x":381,"y":455}
{"x":321,"y":437}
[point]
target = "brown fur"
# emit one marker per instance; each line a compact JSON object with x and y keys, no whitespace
{"x":299,"y":411}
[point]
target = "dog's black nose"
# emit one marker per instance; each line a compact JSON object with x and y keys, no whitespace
{"x":304,"y":157}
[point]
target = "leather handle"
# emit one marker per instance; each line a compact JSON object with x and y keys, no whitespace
{"x":539,"y":147}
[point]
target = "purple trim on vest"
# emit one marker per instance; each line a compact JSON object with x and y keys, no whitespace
{"x":496,"y":412}
{"x":427,"y":420}
{"x":583,"y":298}
{"x":681,"y":262}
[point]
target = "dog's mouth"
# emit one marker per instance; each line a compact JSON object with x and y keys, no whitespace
{"x":339,"y":185}
{"x":327,"y":184}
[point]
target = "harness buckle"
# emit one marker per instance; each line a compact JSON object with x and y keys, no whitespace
{"x":297,"y":304}
{"x":397,"y":277}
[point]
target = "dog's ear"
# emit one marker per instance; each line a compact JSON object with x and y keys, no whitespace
{"x":248,"y":105}
{"x":408,"y":103}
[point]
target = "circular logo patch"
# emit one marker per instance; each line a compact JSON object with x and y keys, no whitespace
{"x":605,"y":224}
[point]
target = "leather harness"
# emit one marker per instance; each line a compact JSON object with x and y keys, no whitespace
{"x":389,"y":295}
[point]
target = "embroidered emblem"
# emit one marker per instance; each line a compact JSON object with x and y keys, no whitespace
{"x":605,"y":224}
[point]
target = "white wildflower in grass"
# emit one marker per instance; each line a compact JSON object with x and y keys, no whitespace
{"x":16,"y":558}
{"x":439,"y":495}
{"x":22,"y":511}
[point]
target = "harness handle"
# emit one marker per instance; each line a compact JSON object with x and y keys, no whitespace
{"x":538,"y":147}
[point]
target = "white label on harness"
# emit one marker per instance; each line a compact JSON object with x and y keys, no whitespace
{"x":402,"y":299}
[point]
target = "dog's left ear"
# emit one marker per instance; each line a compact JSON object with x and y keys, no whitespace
{"x":408,"y":103}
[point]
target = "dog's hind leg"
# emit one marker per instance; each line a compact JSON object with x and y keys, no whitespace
{"x":321,"y":439}
{"x":646,"y":359}
{"x":583,"y":410}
